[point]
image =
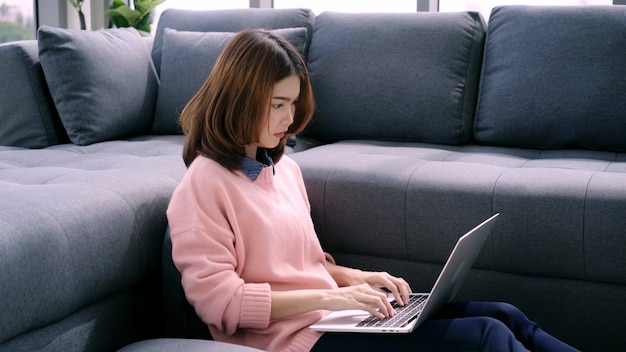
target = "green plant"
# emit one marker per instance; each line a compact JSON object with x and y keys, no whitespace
{"x":78,"y":5}
{"x":139,"y":18}
{"x":15,"y":31}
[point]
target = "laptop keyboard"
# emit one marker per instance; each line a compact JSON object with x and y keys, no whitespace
{"x":404,"y":314}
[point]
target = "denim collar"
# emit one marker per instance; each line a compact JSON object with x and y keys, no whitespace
{"x":252,"y":168}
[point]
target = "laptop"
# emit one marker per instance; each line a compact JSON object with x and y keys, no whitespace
{"x":421,"y":305}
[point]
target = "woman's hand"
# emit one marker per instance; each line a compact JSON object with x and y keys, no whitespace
{"x":358,"y":290}
{"x":364,"y":297}
{"x":396,"y":285}
{"x":351,"y":277}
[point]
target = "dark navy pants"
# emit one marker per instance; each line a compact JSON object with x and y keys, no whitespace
{"x":473,"y":326}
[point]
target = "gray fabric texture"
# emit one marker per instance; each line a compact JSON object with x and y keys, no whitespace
{"x":228,"y":21}
{"x":28,"y":117}
{"x":401,"y":206}
{"x":546,"y":300}
{"x":547,"y":199}
{"x":104,"y":326}
{"x":403,"y":76}
{"x":81,"y":227}
{"x":187,"y":60}
{"x":553,"y":77}
{"x":113,"y":85}
{"x":184,"y":345}
{"x":91,"y":226}
{"x":181,"y":319}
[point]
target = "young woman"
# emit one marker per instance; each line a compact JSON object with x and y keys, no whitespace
{"x":243,"y":239}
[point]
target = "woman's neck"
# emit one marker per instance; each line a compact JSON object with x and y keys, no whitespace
{"x":251,"y":151}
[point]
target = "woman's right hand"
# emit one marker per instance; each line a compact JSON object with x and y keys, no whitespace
{"x":364,"y":297}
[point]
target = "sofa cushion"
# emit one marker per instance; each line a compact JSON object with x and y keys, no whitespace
{"x":558,"y":207}
{"x":401,"y":76}
{"x":227,"y":21}
{"x":103,"y":82}
{"x":184,"y":345}
{"x":553,"y":77}
{"x":28,"y":117}
{"x":81,"y":223}
{"x":183,"y":73}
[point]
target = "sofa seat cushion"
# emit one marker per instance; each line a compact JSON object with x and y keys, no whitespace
{"x":184,"y":345}
{"x":559,"y":209}
{"x":78,"y":224}
{"x":553,"y":77}
{"x":395,"y":76}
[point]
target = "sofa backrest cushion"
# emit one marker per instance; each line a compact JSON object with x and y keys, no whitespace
{"x":227,"y":21}
{"x":28,"y":117}
{"x":554,"y":77}
{"x":186,"y":61}
{"x":103,"y":82}
{"x":395,"y":76}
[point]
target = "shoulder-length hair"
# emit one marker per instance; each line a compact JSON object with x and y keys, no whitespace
{"x":231,"y":108}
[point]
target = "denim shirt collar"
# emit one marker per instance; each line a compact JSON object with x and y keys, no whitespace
{"x":252,"y":168}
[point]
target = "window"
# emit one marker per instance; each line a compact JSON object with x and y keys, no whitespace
{"x":16,"y":20}
{"x":319,"y":6}
{"x":485,"y":6}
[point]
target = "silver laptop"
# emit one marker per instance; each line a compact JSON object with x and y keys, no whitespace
{"x":422,"y":305}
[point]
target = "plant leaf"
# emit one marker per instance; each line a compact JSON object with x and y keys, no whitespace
{"x":140,"y":18}
{"x":130,"y":17}
{"x":147,"y":5}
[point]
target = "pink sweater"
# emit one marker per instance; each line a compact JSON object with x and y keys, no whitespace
{"x":235,"y":240}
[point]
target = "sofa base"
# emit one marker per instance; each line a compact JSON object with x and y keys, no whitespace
{"x":550,"y":302}
{"x":102,"y":327}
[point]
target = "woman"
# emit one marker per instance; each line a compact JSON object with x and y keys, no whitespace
{"x":243,"y":239}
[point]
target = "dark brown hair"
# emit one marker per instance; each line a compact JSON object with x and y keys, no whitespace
{"x":231,"y":108}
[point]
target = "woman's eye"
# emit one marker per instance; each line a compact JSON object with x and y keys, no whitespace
{"x":277,"y":106}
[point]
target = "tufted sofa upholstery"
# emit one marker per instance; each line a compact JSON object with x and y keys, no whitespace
{"x":426,"y":124}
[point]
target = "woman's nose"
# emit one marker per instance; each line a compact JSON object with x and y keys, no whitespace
{"x":290,"y":114}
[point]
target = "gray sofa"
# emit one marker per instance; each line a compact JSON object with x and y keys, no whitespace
{"x":426,"y":124}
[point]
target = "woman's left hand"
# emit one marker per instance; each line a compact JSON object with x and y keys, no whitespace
{"x":345,"y":276}
{"x":396,"y":285}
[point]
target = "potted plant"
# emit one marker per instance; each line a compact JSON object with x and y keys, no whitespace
{"x":78,"y":5}
{"x":139,"y":17}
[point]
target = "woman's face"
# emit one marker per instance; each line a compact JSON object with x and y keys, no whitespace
{"x":280,"y":115}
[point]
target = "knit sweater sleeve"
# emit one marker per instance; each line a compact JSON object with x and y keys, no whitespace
{"x":203,"y":249}
{"x":220,"y":297}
